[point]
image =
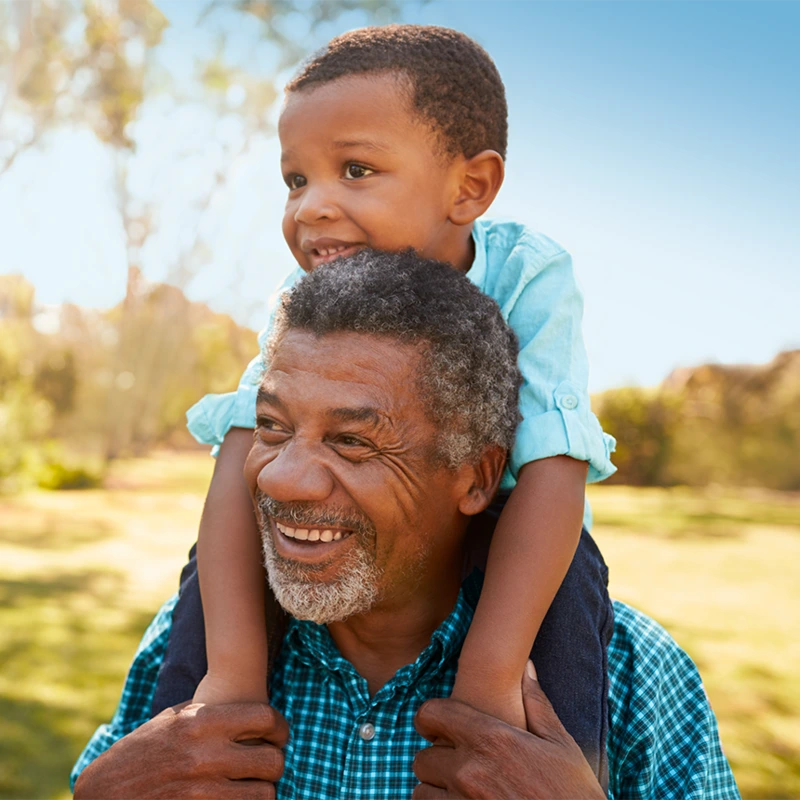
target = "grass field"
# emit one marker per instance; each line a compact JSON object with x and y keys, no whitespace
{"x":82,"y":573}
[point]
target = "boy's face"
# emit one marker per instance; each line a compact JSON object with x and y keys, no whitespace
{"x":362,"y":171}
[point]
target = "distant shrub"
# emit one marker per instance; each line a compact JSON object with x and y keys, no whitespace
{"x":57,"y":471}
{"x":62,"y":476}
{"x":726,"y":425}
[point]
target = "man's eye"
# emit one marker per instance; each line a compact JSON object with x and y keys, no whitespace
{"x":351,"y":442}
{"x":355,"y":171}
{"x":295,"y":181}
{"x":269,"y":425}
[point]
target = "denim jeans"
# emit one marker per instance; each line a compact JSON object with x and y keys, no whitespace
{"x":570,"y":652}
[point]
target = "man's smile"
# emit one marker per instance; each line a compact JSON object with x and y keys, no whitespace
{"x":307,"y":545}
{"x":311,"y":535}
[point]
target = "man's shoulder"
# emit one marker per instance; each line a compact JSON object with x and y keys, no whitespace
{"x":642,"y":646}
{"x":663,"y":736}
{"x":642,"y":657}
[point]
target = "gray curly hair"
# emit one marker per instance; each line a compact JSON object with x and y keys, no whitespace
{"x":468,"y":375}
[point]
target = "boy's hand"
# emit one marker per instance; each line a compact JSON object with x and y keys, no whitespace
{"x":502,"y":703}
{"x":217,"y":689}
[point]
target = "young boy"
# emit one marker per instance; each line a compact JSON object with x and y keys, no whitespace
{"x":395,"y":137}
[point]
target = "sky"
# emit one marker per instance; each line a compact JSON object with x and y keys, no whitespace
{"x":659,"y":143}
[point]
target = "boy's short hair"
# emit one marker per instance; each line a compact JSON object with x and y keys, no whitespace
{"x":456,"y":87}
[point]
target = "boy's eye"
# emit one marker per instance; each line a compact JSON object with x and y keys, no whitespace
{"x":295,"y":181}
{"x":355,"y":171}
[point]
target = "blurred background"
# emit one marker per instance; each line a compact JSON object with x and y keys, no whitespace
{"x":140,"y":206}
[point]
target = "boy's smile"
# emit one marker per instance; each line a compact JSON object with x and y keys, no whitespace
{"x":363,"y":171}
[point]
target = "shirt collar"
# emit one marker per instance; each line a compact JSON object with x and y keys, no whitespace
{"x":314,"y":645}
{"x":477,"y":272}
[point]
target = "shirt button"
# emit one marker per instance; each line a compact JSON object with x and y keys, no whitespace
{"x":367,"y":731}
{"x":569,"y":401}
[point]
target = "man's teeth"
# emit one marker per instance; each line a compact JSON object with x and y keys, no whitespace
{"x":311,"y":534}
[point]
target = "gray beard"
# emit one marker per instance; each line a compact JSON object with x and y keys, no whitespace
{"x":294,"y":584}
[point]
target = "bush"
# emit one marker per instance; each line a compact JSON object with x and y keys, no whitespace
{"x":56,"y":471}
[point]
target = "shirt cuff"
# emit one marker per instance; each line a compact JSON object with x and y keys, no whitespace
{"x":570,"y":429}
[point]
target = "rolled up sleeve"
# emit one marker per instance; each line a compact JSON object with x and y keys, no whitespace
{"x":546,"y":313}
{"x":210,"y":419}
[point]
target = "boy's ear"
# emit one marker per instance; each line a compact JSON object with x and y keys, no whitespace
{"x":480,"y":179}
{"x":481,"y":481}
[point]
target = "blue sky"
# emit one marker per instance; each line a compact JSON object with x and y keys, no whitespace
{"x":658,"y":142}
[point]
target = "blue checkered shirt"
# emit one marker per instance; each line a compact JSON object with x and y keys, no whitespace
{"x":663,"y":740}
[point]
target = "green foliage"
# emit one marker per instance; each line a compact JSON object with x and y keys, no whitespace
{"x":57,"y":470}
{"x":105,"y":383}
{"x":643,"y":423}
{"x":735,"y":426}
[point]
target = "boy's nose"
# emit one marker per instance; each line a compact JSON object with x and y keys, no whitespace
{"x":296,"y":474}
{"x":317,"y":203}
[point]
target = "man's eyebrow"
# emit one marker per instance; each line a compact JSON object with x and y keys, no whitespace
{"x":267,"y":397}
{"x":361,"y":414}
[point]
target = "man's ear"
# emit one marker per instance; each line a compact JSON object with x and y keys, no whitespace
{"x":480,"y":179}
{"x":482,"y":480}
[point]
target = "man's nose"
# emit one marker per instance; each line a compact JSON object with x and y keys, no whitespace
{"x":298,"y":473}
{"x":318,"y":202}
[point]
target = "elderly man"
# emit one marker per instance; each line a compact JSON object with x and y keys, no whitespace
{"x":383,"y":422}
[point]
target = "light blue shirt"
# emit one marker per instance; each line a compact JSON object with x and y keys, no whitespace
{"x":532,"y":279}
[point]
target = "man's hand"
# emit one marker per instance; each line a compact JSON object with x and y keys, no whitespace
{"x":192,"y":751}
{"x":480,"y":757}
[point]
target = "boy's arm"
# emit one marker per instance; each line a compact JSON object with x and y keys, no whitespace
{"x":232,"y":582}
{"x":532,"y":547}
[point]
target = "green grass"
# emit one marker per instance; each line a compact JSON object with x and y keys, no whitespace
{"x":82,"y":574}
{"x":719,"y":571}
{"x":84,"y":571}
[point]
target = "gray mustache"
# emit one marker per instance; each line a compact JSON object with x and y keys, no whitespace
{"x":313,"y":516}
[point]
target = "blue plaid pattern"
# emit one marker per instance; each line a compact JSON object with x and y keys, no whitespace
{"x":663,"y":740}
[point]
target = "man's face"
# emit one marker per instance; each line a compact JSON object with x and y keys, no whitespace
{"x":353,"y":508}
{"x":362,"y":171}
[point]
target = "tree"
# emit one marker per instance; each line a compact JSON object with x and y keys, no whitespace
{"x":96,"y":66}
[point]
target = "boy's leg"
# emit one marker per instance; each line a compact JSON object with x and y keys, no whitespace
{"x":184,"y":663}
{"x":570,"y":652}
